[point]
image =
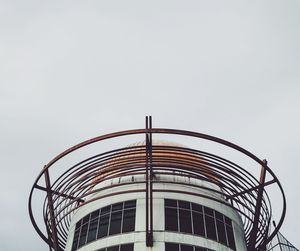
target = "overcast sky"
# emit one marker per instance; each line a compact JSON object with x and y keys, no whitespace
{"x":72,"y":70}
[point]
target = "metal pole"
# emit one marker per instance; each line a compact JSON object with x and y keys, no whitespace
{"x":53,"y":238}
{"x":149,"y":189}
{"x":254,"y":231}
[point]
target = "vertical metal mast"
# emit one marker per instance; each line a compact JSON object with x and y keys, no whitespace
{"x":149,"y":184}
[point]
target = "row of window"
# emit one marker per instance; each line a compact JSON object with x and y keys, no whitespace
{"x":168,"y":247}
{"x":192,"y":218}
{"x":124,"y":247}
{"x":180,"y":216}
{"x":113,"y":219}
{"x":182,"y":247}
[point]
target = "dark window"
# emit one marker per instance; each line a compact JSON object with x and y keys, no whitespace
{"x":210,"y":227}
{"x":200,"y":249}
{"x":115,"y":223}
{"x":103,"y":226}
{"x":186,"y":248}
{"x":95,"y":214}
{"x":196,"y":207}
{"x":113,"y":219}
{"x":114,"y":248}
{"x":128,"y":220}
{"x":185,"y":221}
{"x":105,"y":210}
{"x":209,"y":211}
{"x":198,"y":223}
{"x":221,"y":232}
{"x":172,"y":247}
{"x":186,"y":217}
{"x":129,"y":204}
{"x":230,"y":236}
{"x":92,"y":233}
{"x":171,"y":222}
{"x":76,"y":237}
{"x":118,"y":206}
{"x":127,"y":247}
{"x":123,"y":247}
{"x":183,"y":247}
{"x":83,"y":234}
{"x":184,"y":204}
{"x":170,"y":203}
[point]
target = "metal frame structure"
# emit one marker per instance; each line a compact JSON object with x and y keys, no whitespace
{"x":73,"y":188}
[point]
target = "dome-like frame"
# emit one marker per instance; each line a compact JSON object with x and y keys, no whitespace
{"x":73,"y":189}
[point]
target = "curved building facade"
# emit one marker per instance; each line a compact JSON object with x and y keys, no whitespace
{"x":155,"y":196}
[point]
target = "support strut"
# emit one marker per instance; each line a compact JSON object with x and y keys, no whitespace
{"x":149,"y":184}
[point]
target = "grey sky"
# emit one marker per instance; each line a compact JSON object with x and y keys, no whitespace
{"x":72,"y":70}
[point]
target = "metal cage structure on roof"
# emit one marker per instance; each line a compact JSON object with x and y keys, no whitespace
{"x":71,"y":187}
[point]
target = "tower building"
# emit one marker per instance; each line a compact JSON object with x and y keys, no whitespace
{"x":157,"y":189}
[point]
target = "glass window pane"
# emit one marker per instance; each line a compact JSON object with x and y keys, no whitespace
{"x":230,"y":237}
{"x":94,"y":214}
{"x":114,"y":248}
{"x":184,"y":204}
{"x":117,"y":206}
{"x":170,"y":203}
{"x":128,"y":220}
{"x":209,"y":211}
{"x":92,"y":230}
{"x":127,"y":247}
{"x":171,"y":246}
{"x":83,"y":235}
{"x":221,"y":232}
{"x":198,"y":224}
{"x":115,"y":223}
{"x":197,"y":207}
{"x":78,"y":224}
{"x":171,"y":219}
{"x":219,"y":216}
{"x":105,"y":210}
{"x":227,"y":220}
{"x":75,"y":240}
{"x":103,"y":226}
{"x":130,"y":204}
{"x":186,"y":247}
{"x":185,"y":221}
{"x":210,"y":227}
{"x":200,"y":249}
{"x":85,"y":219}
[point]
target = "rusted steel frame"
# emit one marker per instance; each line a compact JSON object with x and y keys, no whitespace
{"x":169,"y":132}
{"x":228,"y":163}
{"x":53,"y":236}
{"x":254,"y":231}
{"x":74,"y":173}
{"x":270,"y":182}
{"x":149,"y":174}
{"x":58,"y":193}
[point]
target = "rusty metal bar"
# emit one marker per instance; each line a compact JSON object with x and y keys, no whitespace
{"x":60,"y":194}
{"x":147,"y":182}
{"x":251,"y":189}
{"x":149,"y":197}
{"x":151,"y":184}
{"x":254,"y":231}
{"x":53,"y":235}
{"x":80,"y":181}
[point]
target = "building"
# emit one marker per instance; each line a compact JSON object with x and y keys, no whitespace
{"x":157,"y":195}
